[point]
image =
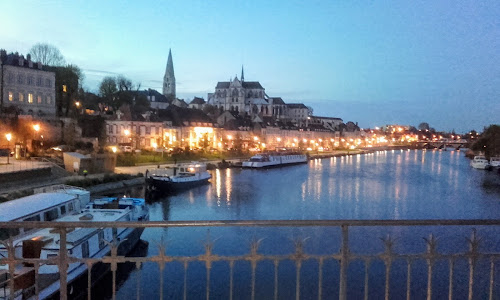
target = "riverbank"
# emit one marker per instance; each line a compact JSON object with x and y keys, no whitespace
{"x":97,"y":183}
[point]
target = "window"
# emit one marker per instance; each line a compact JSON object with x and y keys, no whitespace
{"x":39,"y":99}
{"x":50,"y":215}
{"x":70,"y":206}
{"x":30,"y":80}
{"x":33,"y":218}
{"x":85,"y":249}
{"x":49,"y":100}
{"x":110,"y":129}
{"x":148,"y":130}
{"x":101,"y":239}
{"x":63,"y":210}
{"x":47,"y":82}
{"x":20,"y":79}
{"x":39,"y":81}
{"x":11,"y":96}
{"x":30,"y":97}
{"x":21,"y":97}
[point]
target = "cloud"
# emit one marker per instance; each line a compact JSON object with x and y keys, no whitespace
{"x":99,"y":72}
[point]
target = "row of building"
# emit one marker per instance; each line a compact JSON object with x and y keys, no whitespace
{"x":238,"y":112}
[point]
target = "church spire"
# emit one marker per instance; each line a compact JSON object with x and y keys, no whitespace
{"x":242,"y":74}
{"x":169,"y":78}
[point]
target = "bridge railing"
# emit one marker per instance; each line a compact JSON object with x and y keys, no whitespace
{"x":481,"y":264}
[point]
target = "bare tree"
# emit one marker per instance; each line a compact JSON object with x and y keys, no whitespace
{"x":123,"y":83}
{"x":46,"y":54}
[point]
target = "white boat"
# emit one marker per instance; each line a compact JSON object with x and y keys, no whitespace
{"x":495,"y":161}
{"x":180,"y":177}
{"x":267,"y":160}
{"x":480,"y":162}
{"x":136,"y":205}
{"x":63,"y":205}
{"x":43,"y":206}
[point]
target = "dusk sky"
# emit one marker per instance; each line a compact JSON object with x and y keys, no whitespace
{"x":371,"y":62}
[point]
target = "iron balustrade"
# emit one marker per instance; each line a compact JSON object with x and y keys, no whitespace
{"x":344,"y":256}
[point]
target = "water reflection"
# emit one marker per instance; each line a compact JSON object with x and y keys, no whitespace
{"x":382,"y":185}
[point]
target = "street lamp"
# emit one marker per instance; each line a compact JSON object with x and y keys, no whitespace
{"x":36,"y":127}
{"x":8,"y":136}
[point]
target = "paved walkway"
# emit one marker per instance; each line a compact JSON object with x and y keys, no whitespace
{"x":15,"y":165}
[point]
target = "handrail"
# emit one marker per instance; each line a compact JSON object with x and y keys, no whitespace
{"x":255,"y":223}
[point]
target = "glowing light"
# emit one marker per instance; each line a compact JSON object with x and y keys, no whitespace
{"x":255,"y":138}
{"x":304,"y":140}
{"x":77,"y":103}
{"x":8,"y":136}
{"x":155,"y":145}
{"x":229,"y":137}
{"x":126,"y":132}
{"x":36,"y":127}
{"x":203,"y":130}
{"x":263,"y":145}
{"x":114,"y":149}
{"x":278,"y":139}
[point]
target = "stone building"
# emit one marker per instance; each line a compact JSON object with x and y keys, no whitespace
{"x":243,"y":97}
{"x":298,"y":113}
{"x":25,"y":85}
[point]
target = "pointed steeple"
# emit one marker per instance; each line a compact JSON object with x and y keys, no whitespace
{"x":242,"y":74}
{"x":169,"y":78}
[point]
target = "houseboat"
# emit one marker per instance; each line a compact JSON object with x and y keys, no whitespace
{"x":62,"y":204}
{"x":268,"y":160}
{"x":180,"y":177}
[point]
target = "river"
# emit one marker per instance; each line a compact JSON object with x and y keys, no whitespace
{"x":396,"y":184}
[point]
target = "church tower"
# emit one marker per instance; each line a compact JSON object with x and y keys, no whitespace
{"x":169,"y":78}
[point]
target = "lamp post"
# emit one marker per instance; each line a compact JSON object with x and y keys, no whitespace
{"x":8,"y":136}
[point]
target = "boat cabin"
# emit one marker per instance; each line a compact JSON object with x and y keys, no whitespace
{"x":40,"y":207}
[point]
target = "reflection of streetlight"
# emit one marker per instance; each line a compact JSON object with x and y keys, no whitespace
{"x":8,"y":136}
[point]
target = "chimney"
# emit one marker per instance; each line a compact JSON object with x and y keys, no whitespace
{"x":21,"y":61}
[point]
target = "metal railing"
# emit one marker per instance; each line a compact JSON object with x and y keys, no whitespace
{"x":345,"y":256}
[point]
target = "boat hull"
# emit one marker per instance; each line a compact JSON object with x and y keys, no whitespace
{"x":171,"y":186}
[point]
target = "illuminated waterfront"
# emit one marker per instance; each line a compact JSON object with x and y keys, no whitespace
{"x":383,"y":185}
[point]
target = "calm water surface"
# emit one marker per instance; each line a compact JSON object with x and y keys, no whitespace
{"x":383,"y":185}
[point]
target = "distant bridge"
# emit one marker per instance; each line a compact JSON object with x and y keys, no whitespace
{"x":443,"y":143}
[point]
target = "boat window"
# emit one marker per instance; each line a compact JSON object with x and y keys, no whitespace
{"x":5,"y":233}
{"x":70,"y":206}
{"x":50,"y":215}
{"x":63,"y":210}
{"x":101,"y":239}
{"x":85,"y":249}
{"x":33,"y":218}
